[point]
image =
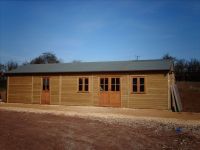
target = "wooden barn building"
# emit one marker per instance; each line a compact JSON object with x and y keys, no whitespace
{"x":130,"y":84}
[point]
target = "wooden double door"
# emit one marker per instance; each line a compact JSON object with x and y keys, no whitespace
{"x":110,"y":92}
{"x":45,"y":97}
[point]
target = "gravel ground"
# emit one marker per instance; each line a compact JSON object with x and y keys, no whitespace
{"x":25,"y":128}
{"x":189,"y":122}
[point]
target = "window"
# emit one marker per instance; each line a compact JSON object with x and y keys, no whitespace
{"x":80,"y":84}
{"x":45,"y":84}
{"x":115,"y":84}
{"x":141,"y":84}
{"x":86,"y":84}
{"x":138,"y":84}
{"x":83,"y":85}
{"x":134,"y":84}
{"x":104,"y":84}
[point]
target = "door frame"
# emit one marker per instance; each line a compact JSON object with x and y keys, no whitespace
{"x":45,"y":91}
{"x":109,"y":89}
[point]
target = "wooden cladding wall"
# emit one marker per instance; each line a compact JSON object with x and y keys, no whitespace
{"x":70,"y":94}
{"x":20,"y":89}
{"x":96,"y":89}
{"x":156,"y":95}
{"x":54,"y":90}
{"x":37,"y":88}
{"x":125,"y":91}
{"x":64,"y":90}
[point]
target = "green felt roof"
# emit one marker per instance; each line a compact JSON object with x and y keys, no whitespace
{"x":110,"y":66}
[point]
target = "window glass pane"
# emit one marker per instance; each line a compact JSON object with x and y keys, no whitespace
{"x":80,"y":88}
{"x":113,"y":87}
{"x":46,"y":80}
{"x":102,"y":81}
{"x":106,"y":80}
{"x":47,"y":83}
{"x":134,"y":80}
{"x":44,"y":83}
{"x":141,"y":80}
{"x":106,"y":87}
{"x":47,"y":87}
{"x":141,"y":88}
{"x":117,"y":87}
{"x":101,"y":87}
{"x":113,"y":81}
{"x":43,"y":87}
{"x":134,"y":88}
{"x":80,"y":81}
{"x":86,"y":80}
{"x":117,"y":81}
{"x":86,"y":87}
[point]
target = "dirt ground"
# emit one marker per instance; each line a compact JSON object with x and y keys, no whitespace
{"x":39,"y":127}
{"x":190,"y":96}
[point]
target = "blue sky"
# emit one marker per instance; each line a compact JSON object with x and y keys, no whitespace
{"x":99,"y":30}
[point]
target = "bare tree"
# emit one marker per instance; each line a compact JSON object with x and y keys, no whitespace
{"x":2,"y":67}
{"x":168,"y":57}
{"x":10,"y":65}
{"x":193,"y":70}
{"x":180,"y":69}
{"x":187,"y":70}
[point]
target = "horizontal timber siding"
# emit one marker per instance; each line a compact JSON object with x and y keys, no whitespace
{"x":37,"y":88}
{"x":124,"y":91}
{"x":54,"y":90}
{"x":64,"y":90}
{"x":20,"y":89}
{"x":95,"y":90}
{"x":70,"y":94}
{"x":156,"y":95}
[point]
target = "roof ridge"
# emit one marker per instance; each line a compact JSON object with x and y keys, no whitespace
{"x":144,"y":60}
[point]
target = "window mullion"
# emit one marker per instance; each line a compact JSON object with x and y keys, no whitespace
{"x":83,"y":86}
{"x":109,"y":84}
{"x":104,"y":82}
{"x":115,"y":84}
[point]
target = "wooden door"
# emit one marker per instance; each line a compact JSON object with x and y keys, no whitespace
{"x":104,"y":93}
{"x":45,"y":97}
{"x":110,"y":92}
{"x":115,"y":96}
